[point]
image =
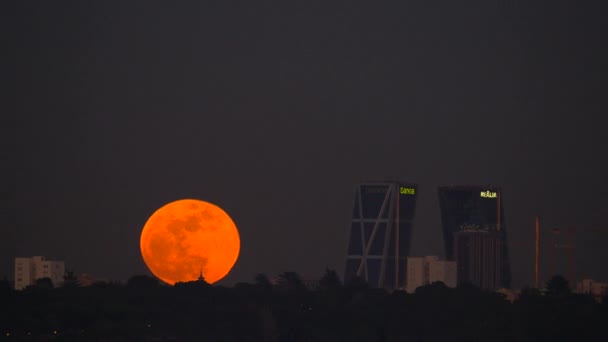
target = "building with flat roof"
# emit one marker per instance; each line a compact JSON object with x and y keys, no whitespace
{"x":598,"y":290}
{"x":444,"y":271}
{"x":479,"y":256}
{"x":427,"y":270}
{"x":380,"y":233}
{"x":476,"y":213}
{"x":27,"y":270}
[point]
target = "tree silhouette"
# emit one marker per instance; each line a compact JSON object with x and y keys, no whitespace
{"x":357,"y":283}
{"x":262,"y":282}
{"x":70,"y":279}
{"x":6,"y":290}
{"x":144,"y":310}
{"x":558,"y":286}
{"x":290,"y":282}
{"x":194,"y":284}
{"x":529,"y":292}
{"x":43,"y":283}
{"x":330,"y":281}
{"x":433,"y":288}
{"x":5,"y":285}
{"x":142,"y":282}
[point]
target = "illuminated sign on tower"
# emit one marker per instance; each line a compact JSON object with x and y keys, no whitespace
{"x":474,"y":234}
{"x":488,"y":194}
{"x":380,"y":233}
{"x":407,"y":191}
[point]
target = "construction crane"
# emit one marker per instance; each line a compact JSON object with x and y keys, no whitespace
{"x":537,"y":253}
{"x":569,"y":247}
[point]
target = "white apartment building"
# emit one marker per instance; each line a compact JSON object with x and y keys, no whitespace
{"x":443,"y":271}
{"x":429,"y":269}
{"x":27,"y":270}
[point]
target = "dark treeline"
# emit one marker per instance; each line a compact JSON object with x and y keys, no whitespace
{"x":144,"y":310}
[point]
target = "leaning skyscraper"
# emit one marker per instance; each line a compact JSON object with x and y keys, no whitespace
{"x":474,"y":234}
{"x":380,"y":233}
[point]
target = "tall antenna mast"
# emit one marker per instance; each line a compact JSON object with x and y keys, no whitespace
{"x":498,"y":211}
{"x":397,"y":266}
{"x":537,"y":252}
{"x":571,"y":255}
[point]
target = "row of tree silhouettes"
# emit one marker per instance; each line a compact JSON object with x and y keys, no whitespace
{"x":286,"y":310}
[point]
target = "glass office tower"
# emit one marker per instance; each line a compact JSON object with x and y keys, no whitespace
{"x":380,"y":233}
{"x":479,"y":259}
{"x":474,"y":234}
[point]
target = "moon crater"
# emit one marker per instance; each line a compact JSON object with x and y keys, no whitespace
{"x":186,"y":237}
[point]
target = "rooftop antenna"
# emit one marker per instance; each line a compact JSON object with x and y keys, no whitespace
{"x":569,"y":246}
{"x":537,"y":252}
{"x":498,"y":211}
{"x":396,"y":284}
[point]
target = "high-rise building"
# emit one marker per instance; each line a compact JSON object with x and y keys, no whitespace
{"x":27,"y":270}
{"x":479,"y":258}
{"x":476,"y":210}
{"x":380,"y":233}
{"x":429,"y":269}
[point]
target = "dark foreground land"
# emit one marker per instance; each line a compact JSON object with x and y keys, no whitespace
{"x":143,"y":310}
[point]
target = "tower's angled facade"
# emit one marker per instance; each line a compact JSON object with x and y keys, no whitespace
{"x":380,"y":233}
{"x":472,"y":217}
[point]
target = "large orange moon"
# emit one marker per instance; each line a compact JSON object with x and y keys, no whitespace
{"x":187,"y":237}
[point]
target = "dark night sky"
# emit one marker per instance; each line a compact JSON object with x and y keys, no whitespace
{"x":274,"y":111}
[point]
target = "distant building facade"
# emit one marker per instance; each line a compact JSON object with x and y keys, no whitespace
{"x":85,"y":279}
{"x":427,"y":270}
{"x":27,"y":270}
{"x":479,"y":256}
{"x":418,"y":272}
{"x":475,"y":235}
{"x":598,"y":290}
{"x":380,"y":233}
{"x":444,"y":271}
{"x":510,"y":294}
